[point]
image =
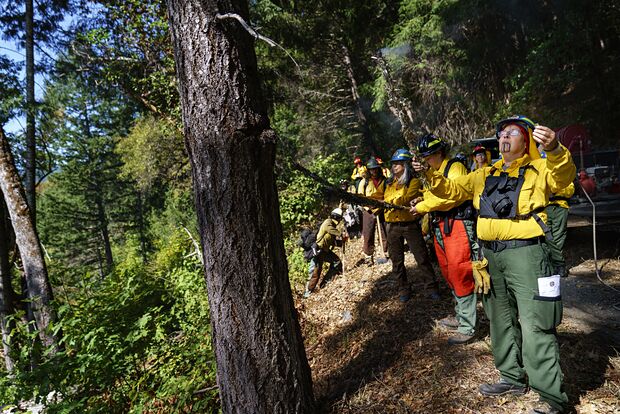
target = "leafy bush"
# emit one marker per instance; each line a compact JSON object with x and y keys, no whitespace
{"x":137,"y":342}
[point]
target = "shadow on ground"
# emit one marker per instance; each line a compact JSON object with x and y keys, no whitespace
{"x":586,"y":364}
{"x":382,"y":329}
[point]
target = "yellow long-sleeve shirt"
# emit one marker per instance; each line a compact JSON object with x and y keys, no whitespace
{"x":566,"y":192}
{"x":548,"y":176}
{"x":401,"y":196}
{"x":367,"y":188}
{"x":358,"y":172}
{"x":431,"y":201}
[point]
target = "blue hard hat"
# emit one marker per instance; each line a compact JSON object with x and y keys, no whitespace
{"x":520,"y":120}
{"x":401,"y":155}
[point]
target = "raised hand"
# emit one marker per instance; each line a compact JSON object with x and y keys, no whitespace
{"x":546,"y":137}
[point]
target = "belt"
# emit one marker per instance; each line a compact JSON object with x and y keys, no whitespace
{"x":499,"y":245}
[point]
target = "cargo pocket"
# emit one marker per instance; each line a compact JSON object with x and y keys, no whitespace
{"x":548,"y":311}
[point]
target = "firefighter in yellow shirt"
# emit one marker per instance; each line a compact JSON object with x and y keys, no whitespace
{"x":331,"y":229}
{"x":372,"y":187}
{"x":401,"y":225}
{"x":452,"y":228}
{"x":482,"y":157}
{"x":386,"y":171}
{"x":524,"y":305}
{"x":358,"y":172}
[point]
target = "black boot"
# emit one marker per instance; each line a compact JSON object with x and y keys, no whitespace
{"x":501,"y":388}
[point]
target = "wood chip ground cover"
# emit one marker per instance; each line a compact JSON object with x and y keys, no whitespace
{"x":370,"y":353}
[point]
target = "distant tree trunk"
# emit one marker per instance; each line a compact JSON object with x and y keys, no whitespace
{"x":261,"y":361}
{"x":7,"y":295}
{"x":362,"y":121}
{"x":27,"y":240}
{"x":31,"y":147}
{"x":141,"y":226}
{"x":102,"y":217}
{"x":105,"y":234}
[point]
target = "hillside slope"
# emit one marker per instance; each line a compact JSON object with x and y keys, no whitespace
{"x":370,"y":353}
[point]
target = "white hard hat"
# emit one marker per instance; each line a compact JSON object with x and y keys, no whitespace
{"x":337,"y":212}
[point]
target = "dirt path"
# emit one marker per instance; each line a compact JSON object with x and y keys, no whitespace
{"x":369,"y":353}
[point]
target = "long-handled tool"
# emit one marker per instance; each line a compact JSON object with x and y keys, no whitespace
{"x":344,"y":243}
{"x":384,"y":259}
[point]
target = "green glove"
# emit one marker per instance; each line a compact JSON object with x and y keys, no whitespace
{"x":482,"y":279}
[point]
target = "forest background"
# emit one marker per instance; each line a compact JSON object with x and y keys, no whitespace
{"x":115,"y":210}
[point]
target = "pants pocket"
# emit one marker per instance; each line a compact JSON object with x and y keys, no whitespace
{"x":548,"y":312}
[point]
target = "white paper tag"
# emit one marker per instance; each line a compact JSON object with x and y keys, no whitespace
{"x":549,"y":287}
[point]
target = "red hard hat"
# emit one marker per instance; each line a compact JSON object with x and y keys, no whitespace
{"x":357,"y":160}
{"x":478,"y":148}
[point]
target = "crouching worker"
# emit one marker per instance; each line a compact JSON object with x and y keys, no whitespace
{"x":524,"y":305}
{"x":452,"y":227}
{"x":327,"y":237}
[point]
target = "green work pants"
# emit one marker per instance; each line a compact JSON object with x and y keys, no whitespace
{"x":557,"y":220}
{"x":465,"y":309}
{"x":523,"y":335}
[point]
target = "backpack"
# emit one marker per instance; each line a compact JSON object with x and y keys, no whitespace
{"x":452,"y":161}
{"x":307,"y":241}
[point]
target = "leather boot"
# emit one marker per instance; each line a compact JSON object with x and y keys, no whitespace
{"x":449,"y":322}
{"x":501,"y":388}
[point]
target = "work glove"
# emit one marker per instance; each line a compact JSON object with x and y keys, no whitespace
{"x":482,"y":279}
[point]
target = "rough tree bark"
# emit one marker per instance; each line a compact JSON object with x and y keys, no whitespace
{"x":39,"y":288}
{"x":31,"y":148}
{"x":261,"y":361}
{"x":7,"y":295}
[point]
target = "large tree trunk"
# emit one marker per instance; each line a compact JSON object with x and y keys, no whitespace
{"x":31,"y":147}
{"x":261,"y":361}
{"x":7,"y":295}
{"x":27,"y":240}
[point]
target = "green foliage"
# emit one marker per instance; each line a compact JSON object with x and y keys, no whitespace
{"x":136,"y":341}
{"x":126,"y":44}
{"x":570,"y":73}
{"x":9,"y":89}
{"x":153,"y":154}
{"x":86,"y":204}
{"x":297,"y":264}
{"x":300,"y":197}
